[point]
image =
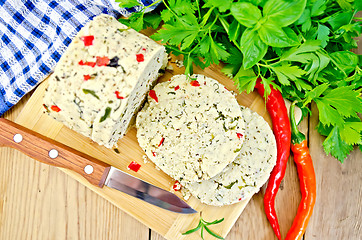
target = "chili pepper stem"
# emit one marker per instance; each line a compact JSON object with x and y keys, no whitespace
{"x":297,"y":137}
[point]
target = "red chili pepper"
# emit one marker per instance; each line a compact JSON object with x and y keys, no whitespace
{"x":153,"y":95}
{"x":281,"y":128}
{"x":134,"y":166}
{"x":195,"y":83}
{"x":177,"y":87}
{"x":88,"y":40}
{"x":239,"y":135}
{"x":55,"y":108}
{"x":176,"y":186}
{"x":140,"y":57}
{"x":86,"y":77}
{"x":91,"y":64}
{"x":102,"y":61}
{"x":307,"y":181}
{"x":153,"y":153}
{"x":163,"y":139}
{"x":117,"y":95}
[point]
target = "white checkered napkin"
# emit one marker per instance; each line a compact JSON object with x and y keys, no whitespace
{"x":35,"y":33}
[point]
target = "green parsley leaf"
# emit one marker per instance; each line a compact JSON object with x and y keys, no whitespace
{"x":298,"y":53}
{"x":283,"y":12}
{"x":346,"y":101}
{"x":245,"y":13}
{"x":335,"y":146}
{"x":351,"y":132}
{"x":315,"y":93}
{"x":286,"y":72}
{"x":322,"y":34}
{"x":318,"y":8}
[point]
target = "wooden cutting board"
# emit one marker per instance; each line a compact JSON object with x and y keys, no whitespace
{"x":168,"y":224}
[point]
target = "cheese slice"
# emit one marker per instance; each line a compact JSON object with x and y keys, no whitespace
{"x":251,"y":169}
{"x":103,"y":78}
{"x":191,"y":128}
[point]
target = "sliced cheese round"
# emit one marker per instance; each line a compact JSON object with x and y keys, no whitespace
{"x":191,"y":128}
{"x":250,"y":170}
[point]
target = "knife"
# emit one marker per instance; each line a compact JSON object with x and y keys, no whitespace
{"x":98,"y":173}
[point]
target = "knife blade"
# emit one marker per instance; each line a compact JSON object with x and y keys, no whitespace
{"x":98,"y":173}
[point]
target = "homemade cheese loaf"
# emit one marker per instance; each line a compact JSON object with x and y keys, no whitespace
{"x":103,"y":78}
{"x":251,"y":169}
{"x":190,"y":128}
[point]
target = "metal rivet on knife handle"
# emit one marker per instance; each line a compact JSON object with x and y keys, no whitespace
{"x":53,"y":153}
{"x":18,"y":138}
{"x":88,"y":169}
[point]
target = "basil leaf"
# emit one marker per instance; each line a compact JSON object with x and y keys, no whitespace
{"x":88,"y":91}
{"x":283,"y":12}
{"x":340,"y":19}
{"x":345,"y":60}
{"x":345,"y":5}
{"x":274,"y":36}
{"x":234,"y":31}
{"x":107,"y":113}
{"x":245,"y":13}
{"x":252,"y":47}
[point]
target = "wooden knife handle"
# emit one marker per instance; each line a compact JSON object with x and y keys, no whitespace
{"x":51,"y":152}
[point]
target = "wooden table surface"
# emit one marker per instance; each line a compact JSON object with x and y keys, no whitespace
{"x":40,"y":202}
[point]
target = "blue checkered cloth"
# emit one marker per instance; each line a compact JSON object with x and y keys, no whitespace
{"x":35,"y":33}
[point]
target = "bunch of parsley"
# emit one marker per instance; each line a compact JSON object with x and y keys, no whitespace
{"x":301,"y":47}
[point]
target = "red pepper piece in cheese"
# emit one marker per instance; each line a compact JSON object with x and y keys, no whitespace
{"x":153,"y":95}
{"x":177,"y":87}
{"x":239,"y":135}
{"x":55,"y":108}
{"x":176,"y":186}
{"x":117,"y":95}
{"x":195,"y":83}
{"x":102,"y":61}
{"x":140,"y":57}
{"x":163,"y":139}
{"x":86,"y":77}
{"x":134,"y":166}
{"x":87,"y":40}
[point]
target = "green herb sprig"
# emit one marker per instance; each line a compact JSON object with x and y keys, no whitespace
{"x":204,"y":225}
{"x":301,"y":47}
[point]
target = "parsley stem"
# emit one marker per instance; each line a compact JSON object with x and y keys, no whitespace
{"x":198,"y":8}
